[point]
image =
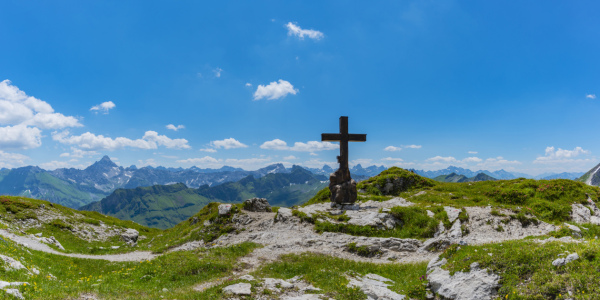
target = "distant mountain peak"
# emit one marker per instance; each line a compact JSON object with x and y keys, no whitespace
{"x":104,"y":163}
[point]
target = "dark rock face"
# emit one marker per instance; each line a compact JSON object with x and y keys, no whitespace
{"x":342,"y":187}
{"x":257,"y":205}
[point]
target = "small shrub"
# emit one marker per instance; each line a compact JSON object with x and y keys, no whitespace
{"x":24,"y":215}
{"x":362,"y":250}
{"x":525,"y":221}
{"x":499,"y":228}
{"x":60,"y":224}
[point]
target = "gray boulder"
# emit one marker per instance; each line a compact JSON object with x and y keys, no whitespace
{"x":477,"y":284}
{"x":283,"y":214}
{"x":375,"y":287}
{"x":130,"y":236}
{"x":12,"y":264}
{"x":452,"y":213}
{"x":238,"y":289}
{"x":224,"y":209}
{"x":257,"y":205}
{"x":580,"y":213}
{"x":372,"y":218}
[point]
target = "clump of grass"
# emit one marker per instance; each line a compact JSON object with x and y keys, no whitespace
{"x":91,"y":221}
{"x":60,"y":224}
{"x":415,"y":223}
{"x":303,"y":216}
{"x":496,"y":213}
{"x":362,"y":250}
{"x":524,"y":219}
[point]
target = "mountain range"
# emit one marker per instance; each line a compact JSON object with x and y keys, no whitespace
{"x":500,"y":174}
{"x":163,"y":206}
{"x":75,"y":188}
{"x":462,"y":178}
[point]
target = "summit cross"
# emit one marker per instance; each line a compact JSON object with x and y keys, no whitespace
{"x":341,"y":185}
{"x":343,"y":137}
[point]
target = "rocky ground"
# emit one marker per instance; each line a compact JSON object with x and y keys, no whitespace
{"x":284,"y":233}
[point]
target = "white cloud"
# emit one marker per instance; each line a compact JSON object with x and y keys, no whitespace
{"x":313,"y":146}
{"x":217,"y":72}
{"x":248,"y":84}
{"x":310,"y":146}
{"x":175,"y":128}
{"x":12,"y":160}
{"x":392,"y":159}
{"x":472,"y":159}
{"x":472,"y":152}
{"x":295,"y":30}
{"x":553,"y":155}
{"x":229,"y":143}
{"x":163,"y":140}
{"x":104,"y":107}
{"x":20,"y":137}
{"x":26,"y":116}
{"x":275,"y":144}
{"x":591,"y":96}
{"x":274,"y":90}
{"x":496,"y":163}
{"x":360,"y":161}
{"x":75,"y":152}
{"x":89,"y":141}
{"x":148,"y":162}
{"x":442,"y":159}
{"x":210,"y":150}
{"x":201,"y":161}
{"x":291,"y":157}
{"x":313,"y":154}
{"x":392,"y":148}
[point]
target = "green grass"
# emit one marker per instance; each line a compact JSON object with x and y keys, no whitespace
{"x":178,"y":272}
{"x":526,"y":268}
{"x":415,"y":224}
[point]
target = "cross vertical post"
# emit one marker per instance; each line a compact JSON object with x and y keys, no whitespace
{"x":341,"y":185}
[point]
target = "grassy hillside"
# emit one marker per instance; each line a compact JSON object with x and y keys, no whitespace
{"x":164,"y":206}
{"x":548,"y":200}
{"x":37,"y":183}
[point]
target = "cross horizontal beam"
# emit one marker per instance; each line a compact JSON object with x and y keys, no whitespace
{"x":336,"y":137}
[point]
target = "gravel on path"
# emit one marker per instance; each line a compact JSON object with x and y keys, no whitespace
{"x":35,"y":245}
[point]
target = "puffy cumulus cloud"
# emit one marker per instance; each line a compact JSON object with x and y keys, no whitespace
{"x":274,"y":90}
{"x":148,"y":162}
{"x":103,"y":107}
{"x":163,"y":140}
{"x":275,"y":144}
{"x":295,"y":30}
{"x":360,"y":161}
{"x":291,"y":157}
{"x":209,"y":150}
{"x":175,"y":128}
{"x":75,"y":152}
{"x":392,"y":148}
{"x":229,"y":143}
{"x":211,"y":162}
{"x":199,"y":161}
{"x":12,"y":160}
{"x":438,"y":158}
{"x":313,"y":146}
{"x":20,"y":137}
{"x":553,"y":155}
{"x":497,"y":162}
{"x":591,"y":96}
{"x":472,"y":159}
{"x":392,"y":159}
{"x":310,"y":146}
{"x":26,"y":116}
{"x":91,"y":142}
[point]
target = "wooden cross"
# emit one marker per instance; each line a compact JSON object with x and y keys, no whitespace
{"x":343,"y":137}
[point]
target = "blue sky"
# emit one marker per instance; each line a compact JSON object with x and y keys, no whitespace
{"x":477,"y":84}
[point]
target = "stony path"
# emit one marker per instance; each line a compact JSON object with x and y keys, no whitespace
{"x":35,"y":245}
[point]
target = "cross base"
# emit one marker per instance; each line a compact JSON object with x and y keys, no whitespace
{"x":342,"y":188}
